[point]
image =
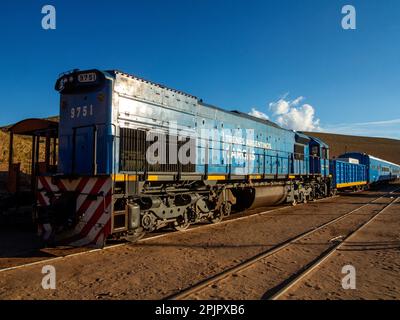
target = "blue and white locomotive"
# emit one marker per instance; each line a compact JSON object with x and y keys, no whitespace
{"x":135,"y":156}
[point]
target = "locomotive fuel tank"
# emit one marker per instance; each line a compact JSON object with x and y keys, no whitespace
{"x":255,"y":197}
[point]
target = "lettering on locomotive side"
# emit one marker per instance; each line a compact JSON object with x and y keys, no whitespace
{"x":212,"y":147}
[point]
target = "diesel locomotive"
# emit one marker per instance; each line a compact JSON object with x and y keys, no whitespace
{"x":136,"y":156}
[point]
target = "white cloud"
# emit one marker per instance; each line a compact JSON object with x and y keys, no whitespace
{"x":279,"y":107}
{"x":297,"y":101}
{"x":258,"y":114}
{"x":291,"y":114}
{"x":299,"y":116}
{"x":384,"y":129}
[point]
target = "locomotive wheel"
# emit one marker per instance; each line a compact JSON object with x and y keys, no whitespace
{"x":148,"y":222}
{"x":182,"y":224}
{"x":223,"y":212}
{"x":301,"y":198}
{"x":227,"y":209}
{"x":217,"y":217}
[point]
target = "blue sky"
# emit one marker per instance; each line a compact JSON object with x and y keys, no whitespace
{"x":240,"y":55}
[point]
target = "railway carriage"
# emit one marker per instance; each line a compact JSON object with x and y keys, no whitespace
{"x":348,"y":173}
{"x":378,"y":170}
{"x":135,"y":156}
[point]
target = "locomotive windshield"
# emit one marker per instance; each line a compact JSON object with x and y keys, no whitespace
{"x":80,"y":81}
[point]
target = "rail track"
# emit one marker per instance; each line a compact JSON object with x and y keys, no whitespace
{"x":314,"y":265}
{"x":287,"y":284}
{"x":241,"y":216}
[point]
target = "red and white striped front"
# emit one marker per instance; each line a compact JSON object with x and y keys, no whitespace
{"x":93,"y":207}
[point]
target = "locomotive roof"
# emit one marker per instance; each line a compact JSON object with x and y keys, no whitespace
{"x":151,"y":82}
{"x":243,"y":114}
{"x":265,"y":121}
{"x":318,"y":140}
{"x":371,"y":157}
{"x":378,"y":159}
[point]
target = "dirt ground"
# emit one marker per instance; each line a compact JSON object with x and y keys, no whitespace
{"x":375,"y":255}
{"x":163,"y":266}
{"x":265,"y":277}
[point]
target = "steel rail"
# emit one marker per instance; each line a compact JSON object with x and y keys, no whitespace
{"x":249,"y":262}
{"x":194,"y":227}
{"x":305,"y":271}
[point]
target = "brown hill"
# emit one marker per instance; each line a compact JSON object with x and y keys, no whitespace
{"x":22,"y":151}
{"x":388,"y":149}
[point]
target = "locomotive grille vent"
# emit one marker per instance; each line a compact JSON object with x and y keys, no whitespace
{"x":133,"y":146}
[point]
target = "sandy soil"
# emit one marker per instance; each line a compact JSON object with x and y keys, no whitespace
{"x":163,"y":266}
{"x":265,"y":276}
{"x":375,"y":254}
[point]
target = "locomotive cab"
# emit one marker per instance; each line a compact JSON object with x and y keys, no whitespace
{"x":85,"y":133}
{"x":319,"y":157}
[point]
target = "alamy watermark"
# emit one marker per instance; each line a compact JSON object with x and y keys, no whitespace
{"x":49,"y":280}
{"x":349,"y":280}
{"x":49,"y":19}
{"x":349,"y":21}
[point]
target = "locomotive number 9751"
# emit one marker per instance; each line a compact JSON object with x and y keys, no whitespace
{"x":87,"y":77}
{"x":81,"y":112}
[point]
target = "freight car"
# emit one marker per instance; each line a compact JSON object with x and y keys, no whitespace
{"x":135,"y":156}
{"x":348,"y":173}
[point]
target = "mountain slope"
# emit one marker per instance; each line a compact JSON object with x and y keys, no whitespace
{"x":388,"y":149}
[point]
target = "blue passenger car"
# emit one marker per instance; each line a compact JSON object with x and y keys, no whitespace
{"x":378,"y":170}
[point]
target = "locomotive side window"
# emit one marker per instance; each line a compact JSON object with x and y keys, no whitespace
{"x":324,"y":153}
{"x":299,"y":152}
{"x":315,"y":151}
